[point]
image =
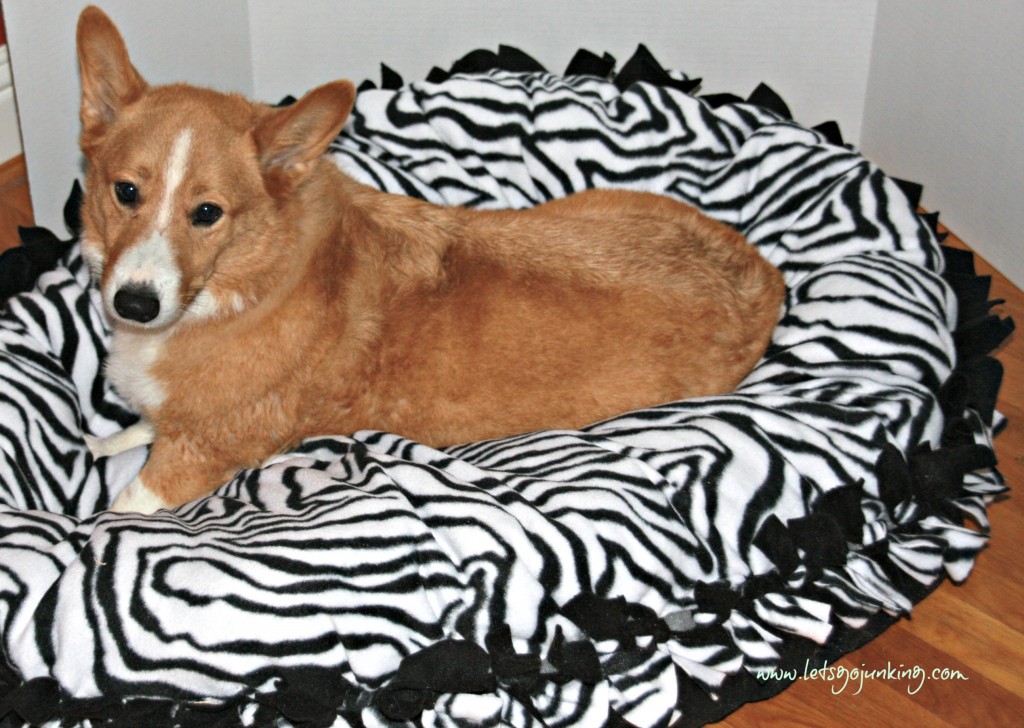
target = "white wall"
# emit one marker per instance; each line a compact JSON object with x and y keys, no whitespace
{"x":945,"y":108}
{"x":195,"y":40}
{"x":814,"y":53}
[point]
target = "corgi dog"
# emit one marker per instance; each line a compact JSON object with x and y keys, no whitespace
{"x":259,"y":296}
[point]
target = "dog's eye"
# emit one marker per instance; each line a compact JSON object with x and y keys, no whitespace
{"x":127,"y":193}
{"x":206,"y":214}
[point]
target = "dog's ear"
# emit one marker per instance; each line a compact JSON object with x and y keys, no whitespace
{"x":109,"y":80}
{"x":290,"y":139}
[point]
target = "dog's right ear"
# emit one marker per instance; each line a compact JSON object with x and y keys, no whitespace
{"x":109,"y":80}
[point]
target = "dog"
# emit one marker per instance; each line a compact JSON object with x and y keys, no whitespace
{"x":259,"y":296}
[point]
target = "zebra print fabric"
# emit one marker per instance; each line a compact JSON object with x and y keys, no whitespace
{"x":643,"y":571}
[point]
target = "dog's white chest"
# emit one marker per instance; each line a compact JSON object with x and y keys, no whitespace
{"x":129,"y":368}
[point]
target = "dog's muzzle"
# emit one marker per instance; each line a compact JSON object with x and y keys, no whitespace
{"x":137,"y":302}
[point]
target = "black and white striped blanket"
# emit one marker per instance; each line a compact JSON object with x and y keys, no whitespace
{"x":646,"y":570}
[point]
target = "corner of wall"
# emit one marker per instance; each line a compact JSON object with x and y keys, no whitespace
{"x":10,"y":133}
{"x":943,"y":108}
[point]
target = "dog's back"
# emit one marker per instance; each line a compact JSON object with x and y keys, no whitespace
{"x":564,"y":314}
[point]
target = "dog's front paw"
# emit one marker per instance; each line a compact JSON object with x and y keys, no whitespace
{"x":141,"y":433}
{"x":97,"y":446}
{"x":137,"y":498}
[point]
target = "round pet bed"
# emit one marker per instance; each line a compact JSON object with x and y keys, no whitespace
{"x":647,"y":570}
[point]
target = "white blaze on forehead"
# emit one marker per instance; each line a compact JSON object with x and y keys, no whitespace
{"x":151,"y":262}
{"x":174,"y":173}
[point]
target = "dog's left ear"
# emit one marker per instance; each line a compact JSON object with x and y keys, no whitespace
{"x":290,"y":139}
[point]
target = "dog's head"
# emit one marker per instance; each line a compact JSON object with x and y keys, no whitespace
{"x":184,"y":182}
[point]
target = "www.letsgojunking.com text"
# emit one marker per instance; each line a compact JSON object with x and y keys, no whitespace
{"x":853,"y":678}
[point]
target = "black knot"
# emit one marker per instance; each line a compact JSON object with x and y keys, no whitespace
{"x":390,"y":79}
{"x":982,"y":336}
{"x":894,"y":482}
{"x":972,"y":294}
{"x":8,"y":679}
{"x":20,"y":267}
{"x":574,"y":660}
{"x":913,"y":190}
{"x":774,"y":540}
{"x":73,"y":209}
{"x":718,"y":598}
{"x":309,"y":696}
{"x":821,"y":539}
{"x":766,"y":97}
{"x":614,"y":619}
{"x":931,"y":219}
{"x":878,"y":551}
{"x":643,"y":67}
{"x":505,"y":661}
{"x":938,"y":475}
{"x":450,"y":666}
{"x":103,"y":710}
{"x":403,"y":703}
{"x":959,"y":262}
{"x":642,"y":621}
{"x":974,"y":384}
{"x":508,"y":58}
{"x":843,"y":504}
{"x":40,"y":250}
{"x":831,"y":131}
{"x":588,"y":63}
{"x":35,"y":701}
{"x":760,"y":584}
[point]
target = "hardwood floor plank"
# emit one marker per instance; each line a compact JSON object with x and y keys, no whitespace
{"x":15,"y":203}
{"x":973,"y":635}
{"x":13,"y":172}
{"x":968,"y":698}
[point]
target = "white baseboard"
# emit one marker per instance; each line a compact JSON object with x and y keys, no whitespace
{"x":10,"y":135}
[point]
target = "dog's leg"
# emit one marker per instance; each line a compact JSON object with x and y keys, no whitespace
{"x":137,"y":498}
{"x":141,"y":433}
{"x":179,"y":470}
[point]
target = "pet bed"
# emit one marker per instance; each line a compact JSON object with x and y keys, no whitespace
{"x":641,"y":571}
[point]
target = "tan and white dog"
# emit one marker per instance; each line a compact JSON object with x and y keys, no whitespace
{"x":259,"y":296}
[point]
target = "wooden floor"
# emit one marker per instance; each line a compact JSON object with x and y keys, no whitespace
{"x":975,"y":628}
{"x":15,"y":205}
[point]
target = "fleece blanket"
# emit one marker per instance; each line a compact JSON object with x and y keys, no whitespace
{"x":647,"y":570}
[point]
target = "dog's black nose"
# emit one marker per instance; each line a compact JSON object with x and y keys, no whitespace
{"x":137,"y":302}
